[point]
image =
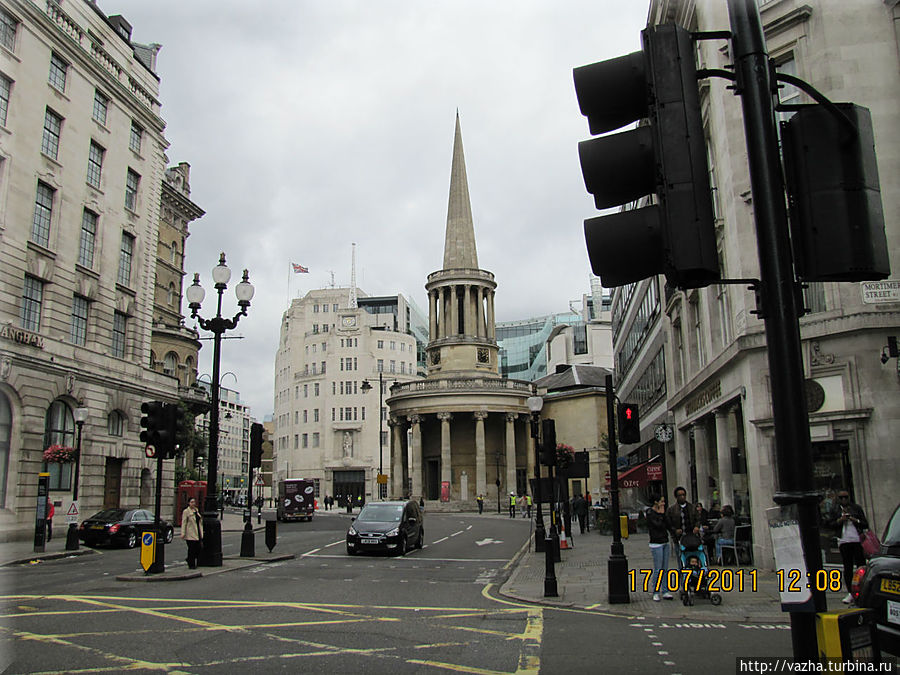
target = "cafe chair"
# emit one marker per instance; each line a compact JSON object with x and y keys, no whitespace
{"x":741,"y":549}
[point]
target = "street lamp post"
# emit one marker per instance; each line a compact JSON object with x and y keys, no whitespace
{"x":366,"y":387}
{"x":81,"y":415}
{"x":535,"y":403}
{"x":211,"y":553}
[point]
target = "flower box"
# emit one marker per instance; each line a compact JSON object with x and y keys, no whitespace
{"x":59,"y":454}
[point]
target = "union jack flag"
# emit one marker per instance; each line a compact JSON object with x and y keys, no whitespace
{"x":299,"y":269}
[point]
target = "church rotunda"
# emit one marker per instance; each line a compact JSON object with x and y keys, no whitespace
{"x":463,"y":430}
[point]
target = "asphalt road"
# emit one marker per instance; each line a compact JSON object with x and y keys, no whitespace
{"x":436,"y":610}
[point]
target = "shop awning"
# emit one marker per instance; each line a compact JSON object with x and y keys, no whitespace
{"x":641,"y":475}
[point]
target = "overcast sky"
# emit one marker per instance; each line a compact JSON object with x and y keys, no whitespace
{"x":311,"y":125}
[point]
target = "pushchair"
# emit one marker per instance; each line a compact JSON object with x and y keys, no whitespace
{"x":695,"y":574}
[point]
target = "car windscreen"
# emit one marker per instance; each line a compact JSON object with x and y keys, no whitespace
{"x":381,"y":513}
{"x":892,"y":531}
{"x":110,"y":515}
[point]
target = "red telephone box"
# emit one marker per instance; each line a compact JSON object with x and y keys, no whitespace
{"x":188,"y":489}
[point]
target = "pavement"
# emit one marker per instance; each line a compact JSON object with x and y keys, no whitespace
{"x":582,"y":577}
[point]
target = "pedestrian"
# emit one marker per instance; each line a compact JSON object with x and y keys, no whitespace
{"x":579,"y":506}
{"x":702,"y":515}
{"x":528,"y":505}
{"x":681,"y":517}
{"x":850,"y":523}
{"x":480,"y":501}
{"x":512,"y":504}
{"x":724,"y":532}
{"x":523,"y":506}
{"x":659,"y":548}
{"x":422,"y":502}
{"x":192,"y":532}
{"x":49,"y":521}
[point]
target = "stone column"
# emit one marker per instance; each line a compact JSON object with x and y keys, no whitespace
{"x":454,"y":311}
{"x":511,"y":452}
{"x":479,"y":299}
{"x":723,"y":449}
{"x":490,"y":315}
{"x":432,"y":314}
{"x":682,"y":463}
{"x":416,"y":469}
{"x":467,"y":311}
{"x":701,"y":459}
{"x":446,"y":466}
{"x":397,"y":457}
{"x":480,"y":463}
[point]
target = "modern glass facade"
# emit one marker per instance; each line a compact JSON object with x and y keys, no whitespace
{"x":523,"y":344}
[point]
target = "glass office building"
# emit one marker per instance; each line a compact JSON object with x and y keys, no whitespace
{"x":523,"y":344}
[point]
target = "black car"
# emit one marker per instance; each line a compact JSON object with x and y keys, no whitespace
{"x":879,"y":586}
{"x":122,"y":527}
{"x":387,"y":526}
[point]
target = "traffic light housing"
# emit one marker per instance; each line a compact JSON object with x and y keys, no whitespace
{"x":629,"y":424}
{"x":831,"y":174}
{"x":256,"y":441}
{"x":667,"y":157}
{"x":548,"y":442}
{"x":152,"y":422}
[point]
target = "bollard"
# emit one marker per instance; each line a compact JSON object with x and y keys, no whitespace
{"x":271,"y":538}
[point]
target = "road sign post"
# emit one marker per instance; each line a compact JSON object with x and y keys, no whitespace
{"x":148,"y":551}
{"x":40,"y":513}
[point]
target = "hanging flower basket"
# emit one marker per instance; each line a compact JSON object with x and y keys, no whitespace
{"x":59,"y":454}
{"x":565,"y":455}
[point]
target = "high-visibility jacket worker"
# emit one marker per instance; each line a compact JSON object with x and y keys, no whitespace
{"x":512,"y":504}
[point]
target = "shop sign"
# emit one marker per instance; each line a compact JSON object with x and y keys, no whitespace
{"x":21,"y":336}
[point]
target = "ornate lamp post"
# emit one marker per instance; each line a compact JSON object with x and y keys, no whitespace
{"x":535,"y":403}
{"x":211,"y":554}
{"x":81,"y":415}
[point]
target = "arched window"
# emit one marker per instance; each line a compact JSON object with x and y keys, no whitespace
{"x":175,"y":253}
{"x":171,"y":297}
{"x":115,"y":423}
{"x":170,"y":363}
{"x":5,"y":435}
{"x":59,"y":429}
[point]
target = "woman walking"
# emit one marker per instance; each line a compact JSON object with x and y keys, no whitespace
{"x":192,"y":532}
{"x":659,"y":548}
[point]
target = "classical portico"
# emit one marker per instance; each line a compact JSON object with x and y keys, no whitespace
{"x":463,"y":420}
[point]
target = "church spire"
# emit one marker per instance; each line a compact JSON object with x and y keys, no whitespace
{"x":459,"y":242}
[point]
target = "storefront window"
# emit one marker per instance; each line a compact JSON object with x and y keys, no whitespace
{"x":59,"y":429}
{"x":5,"y":432}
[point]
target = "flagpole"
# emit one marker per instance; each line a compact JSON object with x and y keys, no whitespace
{"x":289,"y":285}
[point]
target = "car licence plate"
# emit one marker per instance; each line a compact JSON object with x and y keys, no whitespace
{"x":97,"y":527}
{"x":369,"y":541}
{"x":892,"y":611}
{"x":890,"y":586}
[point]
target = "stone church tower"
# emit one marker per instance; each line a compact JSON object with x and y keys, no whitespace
{"x":463,"y":430}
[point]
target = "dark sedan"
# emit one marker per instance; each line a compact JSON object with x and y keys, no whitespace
{"x":387,"y":526}
{"x":120,"y":527}
{"x":879,"y":586}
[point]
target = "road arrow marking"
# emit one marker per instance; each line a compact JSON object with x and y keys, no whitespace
{"x":488,"y":540}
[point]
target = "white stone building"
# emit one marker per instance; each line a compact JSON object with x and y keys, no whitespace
{"x":234,"y":440}
{"x":326,"y":427}
{"x":81,"y":167}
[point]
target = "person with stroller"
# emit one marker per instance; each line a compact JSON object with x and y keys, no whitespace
{"x":681,"y":517}
{"x":659,"y":546}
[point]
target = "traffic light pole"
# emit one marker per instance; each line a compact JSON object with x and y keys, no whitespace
{"x":779,"y":305}
{"x":617,"y":565}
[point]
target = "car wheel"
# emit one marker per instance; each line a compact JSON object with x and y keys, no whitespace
{"x":420,"y":542}
{"x":715,"y":599}
{"x":350,"y":551}
{"x":132,"y":540}
{"x":170,"y":535}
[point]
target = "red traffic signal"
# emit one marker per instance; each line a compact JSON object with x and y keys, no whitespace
{"x":629,"y":424}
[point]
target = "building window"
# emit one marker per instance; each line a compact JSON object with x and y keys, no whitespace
{"x":174,"y":255}
{"x":50,"y":138}
{"x":78,"y":332}
{"x":95,"y":165}
{"x":115,"y":423}
{"x":32,"y":297}
{"x":88,"y":236}
{"x":393,"y":366}
{"x":305,"y":441}
{"x":101,"y":107}
{"x":170,"y":363}
{"x":43,"y":210}
{"x":120,"y":324}
{"x":381,"y":344}
{"x":59,"y":429}
{"x":8,"y":26}
{"x":315,"y":439}
{"x":315,"y":309}
{"x":170,"y":296}
{"x":698,"y":332}
{"x":132,"y":181}
{"x":316,"y":389}
{"x":315,"y":414}
{"x":58,"y":69}
{"x":5,"y":87}
{"x":380,"y":365}
{"x":579,"y":337}
{"x":296,"y":441}
{"x":125,"y":255}
{"x":814,"y":297}
{"x":305,"y":416}
{"x":137,"y":135}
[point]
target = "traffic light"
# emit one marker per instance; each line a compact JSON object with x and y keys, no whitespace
{"x":667,"y":157}
{"x":629,"y":424}
{"x":256,"y":440}
{"x":548,"y":442}
{"x":152,"y":421}
{"x":837,"y":220}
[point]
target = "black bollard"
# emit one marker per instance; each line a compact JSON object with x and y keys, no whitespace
{"x":550,"y":589}
{"x":248,"y":541}
{"x":271,"y":537}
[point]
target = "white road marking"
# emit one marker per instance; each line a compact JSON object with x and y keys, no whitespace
{"x":487,"y":540}
{"x":456,"y":533}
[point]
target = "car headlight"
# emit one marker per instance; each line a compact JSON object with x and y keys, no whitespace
{"x":394,"y":532}
{"x":351,"y":532}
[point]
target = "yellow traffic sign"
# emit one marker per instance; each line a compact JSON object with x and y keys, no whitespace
{"x":148,"y":550}
{"x":382,"y":479}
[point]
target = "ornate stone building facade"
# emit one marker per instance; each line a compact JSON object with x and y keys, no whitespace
{"x":463,"y":428}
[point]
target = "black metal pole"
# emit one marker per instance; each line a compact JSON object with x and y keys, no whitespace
{"x":211,"y":552}
{"x":248,"y":542}
{"x":159,"y":561}
{"x":617,"y":565}
{"x":793,"y":453}
{"x":72,"y":529}
{"x":553,"y":535}
{"x":497,"y":460}
{"x":540,"y":534}
{"x":380,"y":432}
